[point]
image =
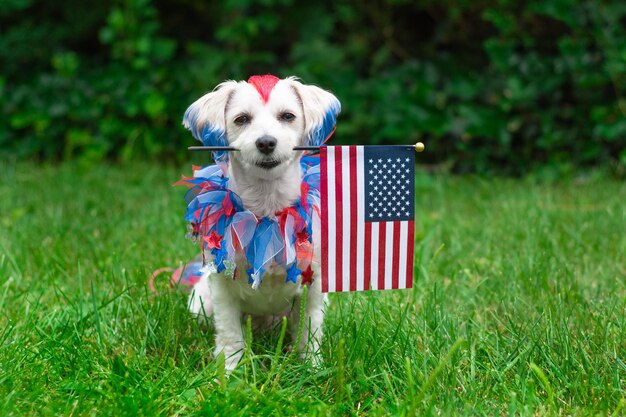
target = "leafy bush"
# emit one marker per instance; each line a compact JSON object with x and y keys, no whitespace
{"x":490,"y":86}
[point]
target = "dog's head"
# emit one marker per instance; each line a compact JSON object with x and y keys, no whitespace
{"x":264,"y":118}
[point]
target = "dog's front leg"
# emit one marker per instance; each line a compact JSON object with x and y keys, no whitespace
{"x":309,"y":345}
{"x":227,"y":317}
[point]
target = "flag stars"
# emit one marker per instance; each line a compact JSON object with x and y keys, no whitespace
{"x":388,"y":187}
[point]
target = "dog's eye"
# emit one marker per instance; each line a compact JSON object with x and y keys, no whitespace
{"x":287,"y":117}
{"x":242,"y":119}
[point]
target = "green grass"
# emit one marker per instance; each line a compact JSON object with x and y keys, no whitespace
{"x":518,"y":307}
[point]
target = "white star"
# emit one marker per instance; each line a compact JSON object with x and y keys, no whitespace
{"x":375,"y":198}
{"x":371,"y":182}
{"x":371,"y":204}
{"x":385,"y":198}
{"x":376,"y":209}
{"x":384,"y":187}
{"x":402,"y":197}
{"x":376,"y":188}
{"x":388,"y":159}
{"x":385,"y":209}
{"x":375,"y":177}
{"x":380,"y":160}
{"x":394,"y":177}
{"x":402,"y":176}
{"x":384,"y":176}
{"x":402,"y":165}
{"x":371,"y":160}
{"x":393,"y":165}
{"x":384,"y":165}
{"x":375,"y":166}
{"x":371,"y":172}
{"x":371,"y":193}
{"x":393,"y":198}
{"x":398,"y":159}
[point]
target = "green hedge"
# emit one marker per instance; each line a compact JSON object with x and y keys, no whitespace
{"x":491,"y":86}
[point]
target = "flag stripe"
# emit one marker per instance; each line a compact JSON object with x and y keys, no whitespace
{"x":375,"y":246}
{"x":396,"y":256}
{"x":389,"y":258}
{"x":332,"y":223}
{"x":404,"y":230}
{"x":338,"y":220}
{"x":352,"y":243}
{"x":360,"y":221}
{"x":382,"y":236}
{"x":409,"y":257}
{"x":324,"y":191}
{"x":346,"y":185}
{"x":367,"y":256}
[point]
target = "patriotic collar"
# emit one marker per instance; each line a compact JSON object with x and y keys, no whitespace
{"x":224,"y":228}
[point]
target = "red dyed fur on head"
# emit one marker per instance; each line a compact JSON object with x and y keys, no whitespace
{"x":264,"y":85}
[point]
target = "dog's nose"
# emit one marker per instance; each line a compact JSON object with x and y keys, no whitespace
{"x":266,"y":144}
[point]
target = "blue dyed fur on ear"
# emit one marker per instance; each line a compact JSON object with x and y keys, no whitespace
{"x":208,"y":134}
{"x":205,"y":132}
{"x":321,"y":132}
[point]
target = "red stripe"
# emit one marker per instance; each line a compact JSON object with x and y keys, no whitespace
{"x":353,"y":218}
{"x":409,"y":255}
{"x":382,"y":231}
{"x":324,"y":219}
{"x":367,"y":249}
{"x":339,"y":219}
{"x":395,"y":270}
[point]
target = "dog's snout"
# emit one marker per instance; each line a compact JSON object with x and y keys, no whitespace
{"x":266,"y":144}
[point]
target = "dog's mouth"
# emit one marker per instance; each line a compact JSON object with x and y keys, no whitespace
{"x":268,"y":164}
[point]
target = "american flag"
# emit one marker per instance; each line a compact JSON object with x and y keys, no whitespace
{"x":367,"y":197}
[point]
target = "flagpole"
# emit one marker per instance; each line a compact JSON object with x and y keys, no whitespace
{"x":419,"y":147}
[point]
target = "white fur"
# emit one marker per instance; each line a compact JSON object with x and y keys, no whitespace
{"x":264,"y":192}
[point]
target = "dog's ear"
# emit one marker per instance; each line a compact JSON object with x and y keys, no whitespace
{"x":205,"y":118}
{"x":320,"y":112}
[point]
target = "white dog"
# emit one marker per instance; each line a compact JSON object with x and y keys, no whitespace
{"x":264,"y":118}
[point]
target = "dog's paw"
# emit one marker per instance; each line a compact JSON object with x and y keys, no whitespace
{"x":230,"y":357}
{"x":199,"y":303}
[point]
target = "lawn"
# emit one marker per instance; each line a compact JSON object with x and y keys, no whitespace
{"x":519,"y":306}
